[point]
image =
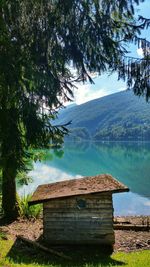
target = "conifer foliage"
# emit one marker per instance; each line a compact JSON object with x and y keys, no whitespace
{"x":39,"y":42}
{"x":136,"y":71}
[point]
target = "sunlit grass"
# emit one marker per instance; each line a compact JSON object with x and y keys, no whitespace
{"x":14,"y":255}
{"x":138,"y":259}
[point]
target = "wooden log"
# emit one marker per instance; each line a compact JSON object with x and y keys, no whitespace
{"x":82,"y":242}
{"x":76,"y":231}
{"x":67,"y":223}
{"x":76,"y":217}
{"x":76,"y":208}
{"x":77,"y":220}
{"x":79,"y":225}
{"x":90,"y":199}
{"x":89,"y":203}
{"x":82,"y":239}
{"x":84,"y":225}
{"x":131,"y":227}
{"x":73,"y":213}
{"x":100,"y":195}
{"x":35,"y":244}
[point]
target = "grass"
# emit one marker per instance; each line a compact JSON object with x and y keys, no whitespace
{"x":14,"y":254}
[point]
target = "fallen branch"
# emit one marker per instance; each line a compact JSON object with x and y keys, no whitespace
{"x":131,"y":227}
{"x":35,"y":244}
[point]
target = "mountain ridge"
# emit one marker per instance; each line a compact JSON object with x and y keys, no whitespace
{"x":119,"y":116}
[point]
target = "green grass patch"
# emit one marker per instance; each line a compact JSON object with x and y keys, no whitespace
{"x":2,"y":235}
{"x":14,"y":254}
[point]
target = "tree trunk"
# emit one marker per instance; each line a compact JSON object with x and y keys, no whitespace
{"x":10,"y":156}
{"x":9,"y":197}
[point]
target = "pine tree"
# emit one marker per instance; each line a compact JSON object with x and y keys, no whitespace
{"x":39,"y":43}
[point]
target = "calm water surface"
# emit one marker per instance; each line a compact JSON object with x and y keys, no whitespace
{"x":128,"y":162}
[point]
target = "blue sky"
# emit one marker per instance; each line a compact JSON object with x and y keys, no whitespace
{"x":104,"y":84}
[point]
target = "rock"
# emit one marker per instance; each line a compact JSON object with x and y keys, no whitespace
{"x":140,"y":245}
{"x":148,"y":241}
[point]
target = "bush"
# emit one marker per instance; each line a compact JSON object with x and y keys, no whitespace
{"x":29,"y":211}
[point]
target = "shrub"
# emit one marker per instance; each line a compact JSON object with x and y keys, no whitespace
{"x":29,"y":211}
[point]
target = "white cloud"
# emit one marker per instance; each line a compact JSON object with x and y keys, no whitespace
{"x":130,"y":204}
{"x":104,"y":85}
{"x":140,"y":52}
{"x":86,"y":93}
{"x":147,"y":203}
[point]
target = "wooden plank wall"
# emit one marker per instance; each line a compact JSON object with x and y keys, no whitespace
{"x":66,"y":223}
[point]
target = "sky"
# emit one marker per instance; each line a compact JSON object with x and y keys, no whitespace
{"x":104,"y":84}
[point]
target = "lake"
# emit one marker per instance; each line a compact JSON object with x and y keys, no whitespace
{"x":129,"y":162}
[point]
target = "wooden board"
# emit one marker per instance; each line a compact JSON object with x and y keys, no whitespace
{"x":65,"y":222}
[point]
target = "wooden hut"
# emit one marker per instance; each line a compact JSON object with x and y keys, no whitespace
{"x":78,"y":211}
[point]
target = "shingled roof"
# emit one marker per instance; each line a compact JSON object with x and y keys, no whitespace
{"x":83,"y":186}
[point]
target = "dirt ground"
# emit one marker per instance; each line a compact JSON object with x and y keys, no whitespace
{"x":124,"y":240}
{"x":132,"y":240}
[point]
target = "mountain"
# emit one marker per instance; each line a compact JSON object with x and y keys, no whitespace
{"x":120,"y":116}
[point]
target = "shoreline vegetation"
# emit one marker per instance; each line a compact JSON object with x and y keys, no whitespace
{"x":115,"y":134}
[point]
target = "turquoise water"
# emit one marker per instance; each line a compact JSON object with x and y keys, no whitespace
{"x":129,"y":162}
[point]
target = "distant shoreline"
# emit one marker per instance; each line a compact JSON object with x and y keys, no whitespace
{"x":107,"y":141}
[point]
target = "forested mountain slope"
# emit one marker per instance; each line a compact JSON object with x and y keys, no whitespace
{"x":120,"y":116}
